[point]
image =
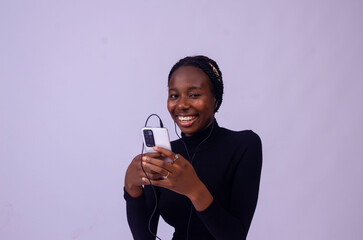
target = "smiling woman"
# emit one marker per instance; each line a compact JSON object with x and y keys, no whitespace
{"x":210,"y":188}
{"x":191,"y":101}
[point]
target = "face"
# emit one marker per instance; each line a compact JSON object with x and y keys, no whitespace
{"x":191,"y":101}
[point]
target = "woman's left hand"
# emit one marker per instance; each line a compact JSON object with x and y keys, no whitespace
{"x":179,"y":176}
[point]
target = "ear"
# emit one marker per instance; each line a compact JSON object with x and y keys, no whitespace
{"x":216,"y":103}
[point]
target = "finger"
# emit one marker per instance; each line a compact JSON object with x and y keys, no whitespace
{"x":171,"y":155}
{"x":164,"y":151}
{"x":146,"y":181}
{"x":152,"y":174}
{"x":156,"y":168}
{"x":158,"y":183}
{"x":158,"y":162}
{"x":153,"y":154}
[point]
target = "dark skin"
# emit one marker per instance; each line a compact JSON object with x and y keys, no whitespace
{"x":191,"y":104}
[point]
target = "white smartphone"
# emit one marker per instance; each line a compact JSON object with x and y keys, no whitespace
{"x":154,"y":136}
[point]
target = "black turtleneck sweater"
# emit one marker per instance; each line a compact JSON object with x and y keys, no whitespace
{"x":229,"y":164}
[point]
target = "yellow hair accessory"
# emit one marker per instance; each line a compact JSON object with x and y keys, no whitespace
{"x":215,"y":72}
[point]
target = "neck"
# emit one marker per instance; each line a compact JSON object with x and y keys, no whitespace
{"x":198,"y":137}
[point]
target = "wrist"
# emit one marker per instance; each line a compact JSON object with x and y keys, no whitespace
{"x":201,"y":197}
{"x":133,"y":191}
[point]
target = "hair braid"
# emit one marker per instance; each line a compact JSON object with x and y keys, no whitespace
{"x":210,"y":68}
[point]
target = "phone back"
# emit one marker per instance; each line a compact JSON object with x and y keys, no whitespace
{"x":153,"y":136}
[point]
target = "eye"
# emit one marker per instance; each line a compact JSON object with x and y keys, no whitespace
{"x":173,"y":96}
{"x":194,"y":95}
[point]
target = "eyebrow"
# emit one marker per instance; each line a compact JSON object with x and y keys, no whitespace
{"x":189,"y":88}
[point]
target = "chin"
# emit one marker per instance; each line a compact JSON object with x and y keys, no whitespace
{"x":188,"y":133}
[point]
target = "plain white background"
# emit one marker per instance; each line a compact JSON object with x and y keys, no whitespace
{"x":79,"y":78}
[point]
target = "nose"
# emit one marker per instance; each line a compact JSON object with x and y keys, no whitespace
{"x":183,"y":103}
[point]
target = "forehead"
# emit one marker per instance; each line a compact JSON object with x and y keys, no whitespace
{"x":188,"y":77}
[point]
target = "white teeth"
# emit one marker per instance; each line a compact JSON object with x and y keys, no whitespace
{"x":186,"y":118}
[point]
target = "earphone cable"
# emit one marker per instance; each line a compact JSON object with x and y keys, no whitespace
{"x":192,"y":161}
{"x":152,"y":186}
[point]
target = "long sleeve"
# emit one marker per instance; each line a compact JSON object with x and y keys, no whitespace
{"x":234,"y":222}
{"x":139,"y":211}
{"x":229,"y":164}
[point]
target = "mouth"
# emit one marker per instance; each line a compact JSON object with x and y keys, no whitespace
{"x":186,"y":121}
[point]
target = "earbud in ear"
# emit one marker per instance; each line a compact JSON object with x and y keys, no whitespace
{"x":216,"y":106}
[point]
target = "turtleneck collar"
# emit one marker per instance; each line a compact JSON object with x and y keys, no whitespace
{"x":196,"y":139}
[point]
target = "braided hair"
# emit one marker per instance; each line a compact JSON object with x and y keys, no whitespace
{"x":209,"y":67}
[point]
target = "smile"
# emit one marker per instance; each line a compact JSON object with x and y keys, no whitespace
{"x":186,"y":121}
{"x":186,"y":118}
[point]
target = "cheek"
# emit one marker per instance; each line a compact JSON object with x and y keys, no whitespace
{"x":205,"y":106}
{"x":209,"y":108}
{"x":170,"y":106}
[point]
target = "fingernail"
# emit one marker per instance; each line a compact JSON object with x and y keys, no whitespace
{"x":145,"y":158}
{"x":156,"y":148}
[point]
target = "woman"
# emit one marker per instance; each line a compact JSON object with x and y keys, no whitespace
{"x":210,"y":189}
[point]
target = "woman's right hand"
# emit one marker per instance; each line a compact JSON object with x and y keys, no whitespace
{"x":134,"y":175}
